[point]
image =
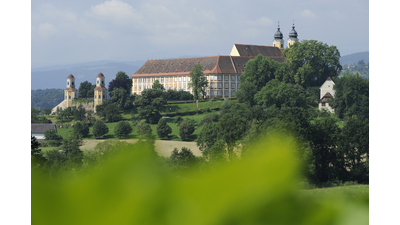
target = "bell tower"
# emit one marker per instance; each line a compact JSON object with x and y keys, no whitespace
{"x":278,"y":39}
{"x":100,"y":92}
{"x":70,"y":91}
{"x":292,"y":37}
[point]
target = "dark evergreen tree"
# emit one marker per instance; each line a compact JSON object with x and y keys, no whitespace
{"x":163,"y":130}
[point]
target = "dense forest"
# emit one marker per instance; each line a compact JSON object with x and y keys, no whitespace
{"x":361,"y":68}
{"x":46,"y":98}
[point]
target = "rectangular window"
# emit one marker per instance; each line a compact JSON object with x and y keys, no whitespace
{"x":184,"y":86}
{"x":233,"y":85}
{"x":214,"y":85}
{"x":152,"y":79}
{"x":162,"y":79}
{"x":219,"y":77}
{"x":175,"y":78}
{"x":226,"y":85}
{"x":184,"y":78}
{"x":180,"y":78}
{"x":140,"y":88}
{"x":188,"y":78}
{"x":135,"y":88}
{"x":102,"y":82}
{"x":219,"y":85}
{"x":104,"y":96}
{"x":323,"y":104}
{"x":175,"y":85}
{"x":226,"y":77}
{"x":99,"y":96}
{"x":233,"y":93}
{"x":238,"y":78}
{"x":233,"y":78}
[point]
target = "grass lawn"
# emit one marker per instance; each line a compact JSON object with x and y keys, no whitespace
{"x":64,"y":132}
{"x":192,"y":106}
{"x":352,"y":191}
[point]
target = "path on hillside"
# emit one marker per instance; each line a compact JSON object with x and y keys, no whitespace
{"x":163,"y":148}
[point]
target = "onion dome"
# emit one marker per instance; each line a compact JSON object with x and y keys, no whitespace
{"x":278,"y":34}
{"x":71,"y":76}
{"x":293,"y":33}
{"x":100,"y":74}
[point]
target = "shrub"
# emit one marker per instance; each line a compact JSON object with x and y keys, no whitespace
{"x":186,"y":129}
{"x":163,"y":129}
{"x":178,"y":120}
{"x":99,"y":129}
{"x":81,"y":128}
{"x":143,"y":129}
{"x":122,"y":129}
{"x":182,"y":159}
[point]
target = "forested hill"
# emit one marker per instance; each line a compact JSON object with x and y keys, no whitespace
{"x":56,"y":76}
{"x":46,"y":98}
{"x":354,"y":58}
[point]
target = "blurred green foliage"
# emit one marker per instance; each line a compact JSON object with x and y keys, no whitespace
{"x":132,"y":187}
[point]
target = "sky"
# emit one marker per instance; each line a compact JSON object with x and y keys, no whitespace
{"x":64,"y":32}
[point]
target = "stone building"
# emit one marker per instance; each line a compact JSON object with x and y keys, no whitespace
{"x":100,"y":91}
{"x":222,"y":71}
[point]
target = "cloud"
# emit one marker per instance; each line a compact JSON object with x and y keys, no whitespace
{"x":262,"y":22}
{"x":48,"y":11}
{"x":46,"y":30}
{"x":116,"y":11}
{"x":181,"y":25}
{"x":308,"y":14}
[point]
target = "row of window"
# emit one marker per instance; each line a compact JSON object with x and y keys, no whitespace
{"x":171,"y":79}
{"x":100,"y":96}
{"x":167,"y":79}
{"x":72,"y":83}
{"x":220,"y":93}
{"x":102,"y":82}
{"x":226,"y":85}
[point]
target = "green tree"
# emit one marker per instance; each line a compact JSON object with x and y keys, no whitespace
{"x":324,"y":138}
{"x":198,"y":81}
{"x":182,"y":159}
{"x":353,"y":150}
{"x":109,"y":111}
{"x":158,"y":85}
{"x":81,"y":129}
{"x":311,"y":62}
{"x":52,"y":138}
{"x":86,"y":90}
{"x":163,"y":129}
{"x":121,"y":81}
{"x":71,"y":149}
{"x":186,"y":128}
{"x":99,"y":129}
{"x":37,"y":159}
{"x":78,"y":113}
{"x":122,"y":129}
{"x":351,"y":97}
{"x":231,"y":128}
{"x":208,"y":136}
{"x":281,"y":94}
{"x":143,"y":129}
{"x":258,"y":72}
{"x":151,"y":102}
{"x":47,"y":111}
{"x":121,"y":98}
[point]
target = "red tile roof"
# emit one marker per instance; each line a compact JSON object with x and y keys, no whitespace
{"x":71,"y":76}
{"x":183,"y":66}
{"x":100,"y":88}
{"x":254,"y":50}
{"x":100,"y":74}
{"x":70,"y":89}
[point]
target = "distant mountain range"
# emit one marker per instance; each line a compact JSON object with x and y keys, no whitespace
{"x":56,"y":76}
{"x":354,"y":58}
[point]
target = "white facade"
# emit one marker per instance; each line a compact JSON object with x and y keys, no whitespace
{"x":326,"y":87}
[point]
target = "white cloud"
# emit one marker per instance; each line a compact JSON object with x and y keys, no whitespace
{"x":46,"y":30}
{"x":116,"y":11}
{"x":262,"y":22}
{"x":308,"y":14}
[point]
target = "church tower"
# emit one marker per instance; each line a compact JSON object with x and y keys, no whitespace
{"x":292,"y":37}
{"x":70,"y":91}
{"x":278,"y":39}
{"x":100,"y":92}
